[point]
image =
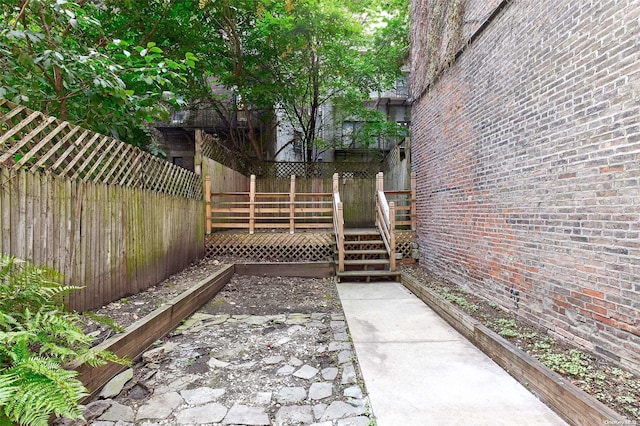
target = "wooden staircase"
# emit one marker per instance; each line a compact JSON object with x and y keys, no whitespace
{"x":366,"y":258}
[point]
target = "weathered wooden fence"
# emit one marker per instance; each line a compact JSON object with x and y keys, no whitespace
{"x":112,"y":218}
{"x":357,"y":195}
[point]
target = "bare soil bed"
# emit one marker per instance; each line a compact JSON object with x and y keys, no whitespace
{"x":613,"y":386}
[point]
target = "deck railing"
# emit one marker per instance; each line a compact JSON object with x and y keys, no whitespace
{"x":253,"y":211}
{"x":386,"y":221}
{"x":338,"y":221}
{"x":394,"y":209}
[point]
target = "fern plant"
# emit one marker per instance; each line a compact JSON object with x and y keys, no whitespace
{"x":38,"y":338}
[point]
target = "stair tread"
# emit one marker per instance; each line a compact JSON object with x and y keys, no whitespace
{"x":363,"y":242}
{"x":366,"y":262}
{"x":381,"y":251}
{"x":366,"y":273}
{"x":361,"y":231}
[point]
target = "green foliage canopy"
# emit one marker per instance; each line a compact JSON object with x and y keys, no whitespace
{"x":76,"y":61}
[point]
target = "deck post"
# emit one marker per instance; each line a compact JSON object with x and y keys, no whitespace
{"x":292,"y":205}
{"x":412,"y":203}
{"x":207,"y":203}
{"x":392,"y":236}
{"x":252,"y":204}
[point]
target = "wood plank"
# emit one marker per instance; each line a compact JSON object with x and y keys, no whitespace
{"x":24,"y":140}
{"x":286,"y":269}
{"x":140,"y":336}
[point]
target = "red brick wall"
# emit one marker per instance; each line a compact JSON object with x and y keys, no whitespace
{"x":527,"y":153}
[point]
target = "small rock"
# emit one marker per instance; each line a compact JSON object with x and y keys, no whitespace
{"x":340,"y":410}
{"x":341,"y":337}
{"x":154,"y":355}
{"x":294,"y":414}
{"x":209,"y":413}
{"x":96,"y":409}
{"x":318,"y":410}
{"x":201,"y":395}
{"x":159,"y":406}
{"x":329,"y":373}
{"x":320,"y":390}
{"x":306,"y":372}
{"x":345,"y":356}
{"x":353,"y":392}
{"x":255,"y":320}
{"x":273,"y":360}
{"x":348,"y":374}
{"x":291,"y":395}
{"x":200,"y":316}
{"x":115,"y":385}
{"x":245,"y":415}
{"x":295,"y":362}
{"x":217,"y":319}
{"x":339,"y":346}
{"x":118,"y":412}
{"x":338,"y":325}
{"x":216,"y":363}
{"x":354,"y":421}
{"x":337,"y":317}
{"x":285,"y":370}
{"x":262,"y":398}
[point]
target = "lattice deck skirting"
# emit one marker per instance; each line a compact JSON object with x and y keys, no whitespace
{"x":407,"y":244}
{"x":305,"y":246}
{"x":272,"y":246}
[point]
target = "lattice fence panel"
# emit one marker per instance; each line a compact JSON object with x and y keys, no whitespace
{"x":31,"y":141}
{"x":272,"y":247}
{"x":406,"y":243}
{"x":269,"y":169}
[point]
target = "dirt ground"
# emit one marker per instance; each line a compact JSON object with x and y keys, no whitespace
{"x":243,"y":295}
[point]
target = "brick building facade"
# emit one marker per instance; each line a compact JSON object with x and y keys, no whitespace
{"x":527,"y":152}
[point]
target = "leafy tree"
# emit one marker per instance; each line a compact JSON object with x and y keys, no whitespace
{"x":299,"y":56}
{"x":65,"y":59}
{"x":37,"y":340}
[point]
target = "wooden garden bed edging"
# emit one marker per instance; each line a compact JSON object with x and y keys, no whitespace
{"x":139,"y":336}
{"x":287,"y":269}
{"x":574,"y":405}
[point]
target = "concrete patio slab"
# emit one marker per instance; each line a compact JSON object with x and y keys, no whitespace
{"x":420,"y":371}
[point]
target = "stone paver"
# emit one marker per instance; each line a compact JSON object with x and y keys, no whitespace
{"x":294,"y":414}
{"x":208,"y":413}
{"x":244,"y":415}
{"x":320,"y":390}
{"x":196,"y":378}
{"x":291,"y":395}
{"x":306,"y":372}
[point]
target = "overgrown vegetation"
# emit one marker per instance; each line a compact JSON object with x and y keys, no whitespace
{"x":610,"y":384}
{"x":38,"y":340}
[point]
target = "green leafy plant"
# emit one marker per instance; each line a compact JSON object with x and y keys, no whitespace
{"x":38,"y":339}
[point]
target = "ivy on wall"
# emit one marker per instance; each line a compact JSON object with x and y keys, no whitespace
{"x":436,"y":36}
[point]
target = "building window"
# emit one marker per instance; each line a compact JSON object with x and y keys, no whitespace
{"x":179,"y":117}
{"x":178,"y":161}
{"x":350,"y":130}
